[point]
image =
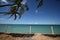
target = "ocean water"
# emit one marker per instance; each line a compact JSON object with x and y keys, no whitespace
{"x":25,"y":28}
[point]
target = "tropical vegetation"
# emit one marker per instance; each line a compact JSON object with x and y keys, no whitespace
{"x":16,"y":5}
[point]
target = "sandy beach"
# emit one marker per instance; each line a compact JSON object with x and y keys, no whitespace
{"x":37,"y":36}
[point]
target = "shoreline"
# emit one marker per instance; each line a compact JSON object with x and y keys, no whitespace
{"x":36,"y":36}
{"x":28,"y":34}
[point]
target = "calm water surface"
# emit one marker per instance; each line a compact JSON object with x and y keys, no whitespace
{"x":22,"y":28}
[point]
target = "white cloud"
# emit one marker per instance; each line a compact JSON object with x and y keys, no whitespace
{"x":5,"y":1}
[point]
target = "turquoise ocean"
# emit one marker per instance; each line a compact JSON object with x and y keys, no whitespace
{"x":29,"y":28}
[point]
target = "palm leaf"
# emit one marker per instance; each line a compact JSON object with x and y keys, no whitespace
{"x":18,"y":2}
{"x":5,"y":13}
{"x":13,"y":9}
{"x":7,"y":5}
{"x":27,"y":8}
{"x":19,"y":15}
{"x":11,"y":15}
{"x":40,"y":3}
{"x":15,"y":17}
{"x":21,"y":12}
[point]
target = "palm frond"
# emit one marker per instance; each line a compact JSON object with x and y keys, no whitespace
{"x":15,"y":17}
{"x":19,"y":15}
{"x":5,"y":13}
{"x":27,"y":8}
{"x":21,"y":12}
{"x":7,"y":5}
{"x":11,"y":15}
{"x":40,"y":3}
{"x":13,"y":9}
{"x":16,"y":0}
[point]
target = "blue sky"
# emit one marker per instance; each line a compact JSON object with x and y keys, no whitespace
{"x":49,"y":13}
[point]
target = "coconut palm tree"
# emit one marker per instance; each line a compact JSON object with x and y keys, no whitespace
{"x":15,"y":6}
